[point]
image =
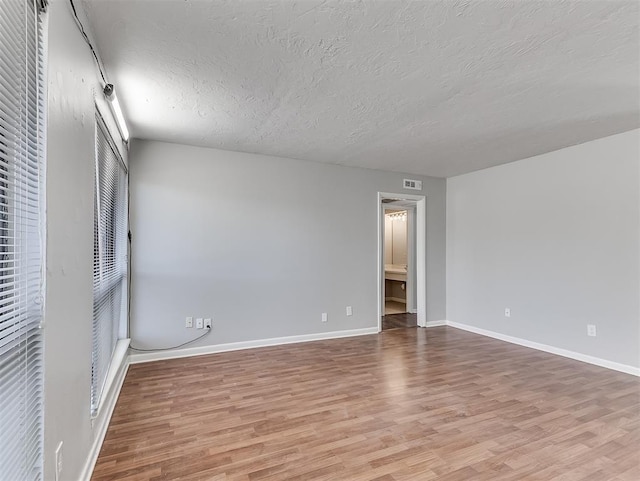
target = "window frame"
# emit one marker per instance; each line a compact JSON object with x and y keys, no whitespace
{"x":102,"y":375}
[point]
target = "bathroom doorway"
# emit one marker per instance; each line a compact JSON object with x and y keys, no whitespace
{"x":402,"y":269}
{"x":399,"y":308}
{"x":395,"y":260}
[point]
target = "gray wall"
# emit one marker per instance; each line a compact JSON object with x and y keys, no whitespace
{"x":73,"y":88}
{"x":262,"y":244}
{"x":556,"y":239}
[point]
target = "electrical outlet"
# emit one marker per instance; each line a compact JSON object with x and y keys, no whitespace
{"x":591,"y":330}
{"x":207,"y":323}
{"x":199,"y":323}
{"x":507,"y":312}
{"x":188,"y":322}
{"x":324,"y":317}
{"x":59,"y":462}
{"x":349,"y":311}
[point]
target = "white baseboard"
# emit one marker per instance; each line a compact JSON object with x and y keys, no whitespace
{"x":616,"y":366}
{"x":235,"y":346}
{"x":105,"y":411}
{"x":436,"y":323}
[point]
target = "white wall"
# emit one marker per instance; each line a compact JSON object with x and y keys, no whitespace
{"x":73,"y":86}
{"x":396,"y":240}
{"x":555,"y":238}
{"x":262,"y":244}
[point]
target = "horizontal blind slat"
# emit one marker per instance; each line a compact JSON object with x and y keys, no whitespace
{"x":22,"y":122}
{"x":110,"y":259}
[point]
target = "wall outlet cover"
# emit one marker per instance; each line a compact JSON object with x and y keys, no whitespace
{"x":349,"y":311}
{"x":199,"y":323}
{"x":188,"y":322}
{"x":507,"y":312}
{"x":591,"y":330}
{"x":324,"y":317}
{"x":207,"y":323}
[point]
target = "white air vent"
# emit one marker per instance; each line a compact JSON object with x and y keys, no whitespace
{"x":412,"y":184}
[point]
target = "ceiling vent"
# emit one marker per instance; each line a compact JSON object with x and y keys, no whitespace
{"x":412,"y":184}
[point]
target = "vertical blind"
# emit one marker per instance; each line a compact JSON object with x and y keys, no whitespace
{"x":22,"y":120}
{"x":109,"y":258}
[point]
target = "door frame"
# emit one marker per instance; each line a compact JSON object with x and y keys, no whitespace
{"x":419,"y":258}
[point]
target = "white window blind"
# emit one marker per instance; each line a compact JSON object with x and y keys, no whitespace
{"x":109,"y":258}
{"x":22,"y":120}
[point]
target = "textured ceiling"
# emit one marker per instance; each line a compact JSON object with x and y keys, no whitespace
{"x":427,"y":87}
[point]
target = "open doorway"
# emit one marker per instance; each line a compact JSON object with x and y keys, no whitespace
{"x":401,"y":261}
{"x":399,"y":309}
{"x":396,"y":283}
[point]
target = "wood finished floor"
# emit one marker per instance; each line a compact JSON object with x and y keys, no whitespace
{"x":407,"y":404}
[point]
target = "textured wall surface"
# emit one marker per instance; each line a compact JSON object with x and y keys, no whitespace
{"x":73,"y":90}
{"x":263,"y":245}
{"x":555,"y":238}
{"x":430,"y":87}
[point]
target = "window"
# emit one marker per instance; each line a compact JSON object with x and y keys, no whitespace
{"x":109,"y":259}
{"x":22,"y":120}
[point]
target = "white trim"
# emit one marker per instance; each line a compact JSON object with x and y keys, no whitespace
{"x":420,"y":251}
{"x":381,"y":275}
{"x":236,"y":346}
{"x":436,"y":323}
{"x":119,"y":355}
{"x":616,"y":366}
{"x":410,"y":288}
{"x":101,"y":422}
{"x":421,"y":261}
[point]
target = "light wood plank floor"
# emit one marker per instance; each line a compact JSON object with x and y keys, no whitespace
{"x":408,"y":404}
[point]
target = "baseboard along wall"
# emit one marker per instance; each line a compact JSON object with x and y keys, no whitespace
{"x":616,"y":366}
{"x":236,"y":346}
{"x":198,"y":351}
{"x":101,"y":423}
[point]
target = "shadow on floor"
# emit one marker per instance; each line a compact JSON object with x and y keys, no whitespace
{"x":395,"y":321}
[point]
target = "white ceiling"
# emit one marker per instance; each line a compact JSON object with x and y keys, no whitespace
{"x":426,"y":87}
